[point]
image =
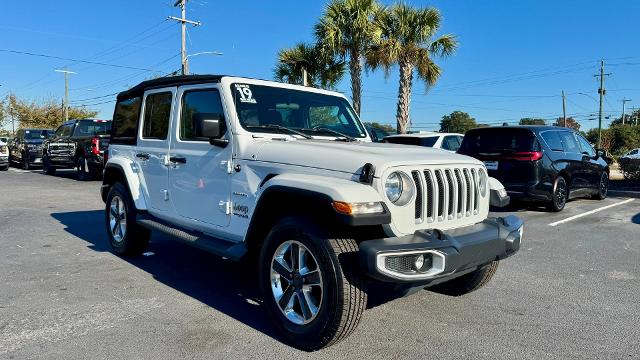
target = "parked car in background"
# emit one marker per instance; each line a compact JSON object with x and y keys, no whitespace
{"x":4,"y":156}
{"x":633,"y":154}
{"x":446,"y":141}
{"x":78,"y":144}
{"x":541,"y":163}
{"x":26,"y":148}
{"x":376,"y":134}
{"x":4,"y":139}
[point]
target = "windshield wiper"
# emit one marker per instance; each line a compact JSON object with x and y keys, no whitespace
{"x":280,"y":127}
{"x":334,"y":132}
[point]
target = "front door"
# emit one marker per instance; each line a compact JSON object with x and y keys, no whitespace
{"x":199,"y":177}
{"x":153,"y":147}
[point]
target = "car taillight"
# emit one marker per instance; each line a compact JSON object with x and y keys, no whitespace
{"x":527,"y":155}
{"x":95,"y":145}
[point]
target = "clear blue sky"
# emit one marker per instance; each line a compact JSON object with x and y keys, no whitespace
{"x":514,"y":57}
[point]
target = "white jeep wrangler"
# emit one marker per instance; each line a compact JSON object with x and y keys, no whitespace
{"x":286,"y":176}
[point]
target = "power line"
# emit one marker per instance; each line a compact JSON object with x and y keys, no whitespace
{"x":73,"y":60}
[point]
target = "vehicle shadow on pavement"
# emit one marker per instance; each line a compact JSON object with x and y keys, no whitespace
{"x":225,"y":286}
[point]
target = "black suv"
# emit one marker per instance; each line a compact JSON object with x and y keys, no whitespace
{"x":25,"y":149}
{"x":541,"y":163}
{"x":77,"y":144}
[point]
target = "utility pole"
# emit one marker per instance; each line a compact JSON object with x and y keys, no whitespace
{"x":564,"y":110}
{"x":624,"y":101}
{"x":602,"y":92}
{"x":65,"y":108}
{"x":183,"y":21}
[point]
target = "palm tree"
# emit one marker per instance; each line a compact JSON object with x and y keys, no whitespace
{"x":406,"y":39}
{"x":321,"y":70}
{"x":346,"y":30}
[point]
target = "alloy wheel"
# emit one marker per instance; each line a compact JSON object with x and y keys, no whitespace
{"x":604,"y":185}
{"x":561,"y":194}
{"x":296,"y":282}
{"x":117,"y":219}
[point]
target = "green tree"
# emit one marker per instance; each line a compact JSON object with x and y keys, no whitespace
{"x":457,"y":122}
{"x":532,"y":121}
{"x":571,"y":123}
{"x":407,"y":40}
{"x":323,"y":70}
{"x":633,"y":118}
{"x":45,"y":114}
{"x":384,"y":127}
{"x":346,"y":30}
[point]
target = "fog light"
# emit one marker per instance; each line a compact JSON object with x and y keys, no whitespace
{"x":419,"y":262}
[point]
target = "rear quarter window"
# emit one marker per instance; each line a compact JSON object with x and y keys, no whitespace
{"x":125,"y":121}
{"x":552,"y":139}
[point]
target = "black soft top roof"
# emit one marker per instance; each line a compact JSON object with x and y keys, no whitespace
{"x":139,"y":89}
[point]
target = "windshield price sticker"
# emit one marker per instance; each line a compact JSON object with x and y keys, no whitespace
{"x":246,"y":96}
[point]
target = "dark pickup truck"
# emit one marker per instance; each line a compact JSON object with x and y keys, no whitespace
{"x":77,"y":144}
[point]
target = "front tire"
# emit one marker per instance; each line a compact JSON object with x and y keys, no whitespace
{"x":559,"y":196}
{"x":310,"y":284}
{"x":469,"y":282}
{"x":81,"y":172}
{"x":25,"y":162}
{"x":603,"y":187}
{"x":47,"y":169}
{"x":126,"y":237}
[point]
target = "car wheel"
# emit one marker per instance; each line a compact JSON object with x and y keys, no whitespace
{"x":25,"y":162}
{"x":81,"y":172}
{"x":559,"y":196}
{"x":4,"y":168}
{"x":310,"y":284}
{"x":46,"y":166}
{"x":469,"y":282}
{"x":603,"y":187}
{"x":125,"y":235}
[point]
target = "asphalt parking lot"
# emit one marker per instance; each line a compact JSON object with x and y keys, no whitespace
{"x":572,"y":292}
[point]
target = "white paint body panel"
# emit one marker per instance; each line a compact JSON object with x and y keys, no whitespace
{"x":321,"y":165}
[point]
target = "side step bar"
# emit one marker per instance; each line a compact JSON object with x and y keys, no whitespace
{"x":230,"y":250}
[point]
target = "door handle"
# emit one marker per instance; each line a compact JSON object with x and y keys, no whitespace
{"x":178,"y":159}
{"x":143,"y":156}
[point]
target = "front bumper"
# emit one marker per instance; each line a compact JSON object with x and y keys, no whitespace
{"x":449,"y":253}
{"x":4,"y":160}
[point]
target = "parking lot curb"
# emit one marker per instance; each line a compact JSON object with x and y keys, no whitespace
{"x":623,"y":193}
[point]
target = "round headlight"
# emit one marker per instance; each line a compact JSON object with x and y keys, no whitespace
{"x":482,"y":182}
{"x":393,"y":187}
{"x":399,"y":188}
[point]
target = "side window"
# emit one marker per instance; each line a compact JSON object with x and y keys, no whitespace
{"x":198,"y":105}
{"x":157,"y":113}
{"x":569,"y":142}
{"x":586,"y":147}
{"x":552,"y":138}
{"x":125,"y":121}
{"x":633,"y":152}
{"x":451,"y":143}
{"x":59,"y":130}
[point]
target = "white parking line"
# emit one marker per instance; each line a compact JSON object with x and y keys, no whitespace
{"x":589,"y":212}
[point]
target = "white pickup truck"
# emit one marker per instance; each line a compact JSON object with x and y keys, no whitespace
{"x":285,"y":177}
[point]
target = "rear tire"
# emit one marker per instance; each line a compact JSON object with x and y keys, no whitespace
{"x":603,"y":187}
{"x":559,"y":196}
{"x":82,"y":175}
{"x":25,"y":162}
{"x":336,"y":294}
{"x":469,"y":282}
{"x":126,"y":237}
{"x":4,"y":168}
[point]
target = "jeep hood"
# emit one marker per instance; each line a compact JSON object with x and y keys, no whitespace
{"x":349,"y":157}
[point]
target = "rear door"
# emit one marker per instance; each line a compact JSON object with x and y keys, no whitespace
{"x":574,"y":158}
{"x":153,"y":149}
{"x":592,"y":168}
{"x":511,"y":155}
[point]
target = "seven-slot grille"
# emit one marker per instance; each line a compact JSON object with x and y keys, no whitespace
{"x":446,"y":194}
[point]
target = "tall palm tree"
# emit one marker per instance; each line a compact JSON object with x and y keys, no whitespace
{"x":407,"y":39}
{"x":322,"y":70}
{"x":346,"y":30}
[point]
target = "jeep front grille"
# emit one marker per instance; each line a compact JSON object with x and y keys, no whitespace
{"x":446,"y":194}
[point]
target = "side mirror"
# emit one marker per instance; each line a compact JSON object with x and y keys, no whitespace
{"x":601,"y":153}
{"x":212,"y":127}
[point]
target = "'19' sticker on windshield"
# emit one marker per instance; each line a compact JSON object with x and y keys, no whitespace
{"x":246,"y":96}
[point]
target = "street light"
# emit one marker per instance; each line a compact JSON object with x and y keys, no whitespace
{"x":594,"y":99}
{"x":214,"y":53}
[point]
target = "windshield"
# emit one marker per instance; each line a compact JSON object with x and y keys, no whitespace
{"x":265,"y":109}
{"x":497,"y":140}
{"x":34,"y":134}
{"x":93,"y":127}
{"x":413,"y":140}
